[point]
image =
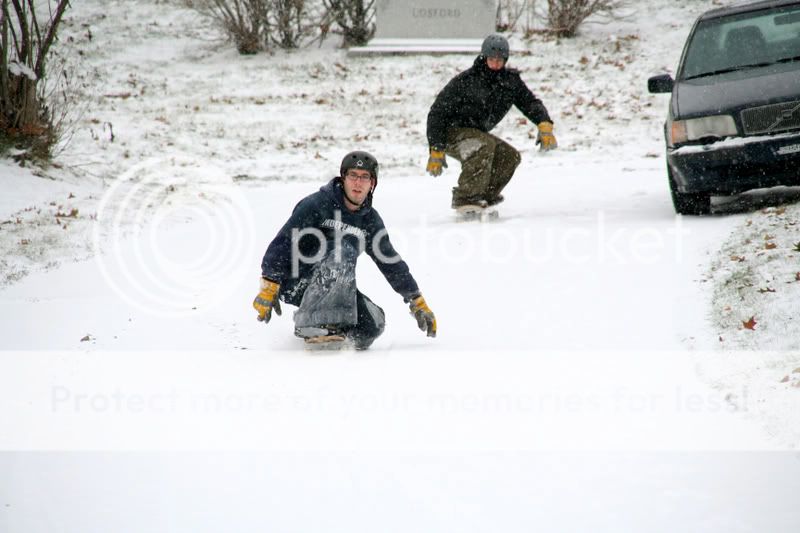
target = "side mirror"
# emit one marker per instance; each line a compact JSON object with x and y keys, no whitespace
{"x":660,"y":84}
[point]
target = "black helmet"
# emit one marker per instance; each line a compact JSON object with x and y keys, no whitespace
{"x":360,"y":160}
{"x":495,"y":45}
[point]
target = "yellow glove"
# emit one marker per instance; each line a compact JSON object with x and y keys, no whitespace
{"x":545,"y":138}
{"x":425,"y":319}
{"x":267,"y":299}
{"x":435,"y":162}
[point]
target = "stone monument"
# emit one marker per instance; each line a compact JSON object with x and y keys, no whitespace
{"x":430,"y":26}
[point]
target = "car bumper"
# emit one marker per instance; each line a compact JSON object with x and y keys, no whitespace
{"x":735,"y":165}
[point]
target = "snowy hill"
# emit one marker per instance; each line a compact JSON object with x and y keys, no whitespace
{"x":591,"y":354}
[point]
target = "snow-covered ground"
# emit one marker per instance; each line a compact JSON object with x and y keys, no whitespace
{"x":592,"y":370}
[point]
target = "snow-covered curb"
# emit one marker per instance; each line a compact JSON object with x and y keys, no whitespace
{"x":755,"y":309}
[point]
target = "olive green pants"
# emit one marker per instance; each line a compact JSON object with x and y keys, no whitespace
{"x":487,"y":164}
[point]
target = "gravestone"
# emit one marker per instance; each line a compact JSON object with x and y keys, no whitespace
{"x":430,"y":26}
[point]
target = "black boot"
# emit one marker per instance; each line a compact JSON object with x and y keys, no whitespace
{"x":494,"y":201}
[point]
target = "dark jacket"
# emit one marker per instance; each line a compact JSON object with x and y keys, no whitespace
{"x":479,"y":98}
{"x":323,"y":215}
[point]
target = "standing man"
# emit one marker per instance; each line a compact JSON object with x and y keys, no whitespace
{"x":311,"y":263}
{"x":464,"y":112}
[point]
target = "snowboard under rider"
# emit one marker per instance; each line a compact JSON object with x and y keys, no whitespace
{"x":464,"y":112}
{"x":311,"y":263}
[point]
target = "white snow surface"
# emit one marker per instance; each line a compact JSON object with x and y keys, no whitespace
{"x":592,"y":371}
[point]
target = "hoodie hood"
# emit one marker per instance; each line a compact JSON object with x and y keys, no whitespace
{"x":335,"y":191}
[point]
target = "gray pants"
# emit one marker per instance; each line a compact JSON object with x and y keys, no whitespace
{"x":487,"y":164}
{"x":332,"y":302}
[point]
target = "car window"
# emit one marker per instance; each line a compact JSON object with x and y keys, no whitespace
{"x":743,"y":40}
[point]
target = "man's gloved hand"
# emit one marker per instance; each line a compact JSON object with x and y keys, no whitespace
{"x":435,"y":162}
{"x":267,"y":299}
{"x":425,"y":319}
{"x":545,"y":139}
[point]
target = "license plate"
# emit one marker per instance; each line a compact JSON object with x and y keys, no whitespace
{"x":790,"y":149}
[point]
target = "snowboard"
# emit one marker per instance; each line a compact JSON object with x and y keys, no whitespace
{"x":326,"y":342}
{"x":469,"y":213}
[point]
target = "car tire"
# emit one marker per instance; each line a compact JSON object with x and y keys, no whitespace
{"x":688,"y":203}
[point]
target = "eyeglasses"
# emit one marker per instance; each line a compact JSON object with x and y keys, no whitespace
{"x":363,"y":178}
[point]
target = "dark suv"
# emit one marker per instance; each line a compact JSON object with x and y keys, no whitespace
{"x":734,"y":116}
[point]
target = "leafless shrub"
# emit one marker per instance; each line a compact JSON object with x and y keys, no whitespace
{"x":355,"y":19}
{"x":26,"y":36}
{"x":254,"y":25}
{"x":66,"y":105}
{"x":245,"y":22}
{"x":510,"y":13}
{"x":290,"y":23}
{"x":564,"y":17}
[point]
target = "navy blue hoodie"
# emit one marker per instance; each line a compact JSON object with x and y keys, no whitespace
{"x":323,"y":215}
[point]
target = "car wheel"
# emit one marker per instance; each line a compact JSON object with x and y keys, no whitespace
{"x":688,"y":203}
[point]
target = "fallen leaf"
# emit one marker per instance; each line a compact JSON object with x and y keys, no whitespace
{"x":785,"y":379}
{"x":750,"y":324}
{"x":86,"y":338}
{"x":73,"y":213}
{"x":766,"y":289}
{"x":770,"y":246}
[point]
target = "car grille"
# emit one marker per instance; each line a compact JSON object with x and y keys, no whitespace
{"x":771,"y":118}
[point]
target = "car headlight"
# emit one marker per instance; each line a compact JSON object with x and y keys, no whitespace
{"x":694,"y":129}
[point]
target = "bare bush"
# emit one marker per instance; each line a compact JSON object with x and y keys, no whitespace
{"x":255,"y":25}
{"x":355,"y":19}
{"x":63,"y":92}
{"x":291,"y":24}
{"x":27,"y":31}
{"x":245,"y":22}
{"x":565,"y":16}
{"x":512,"y":13}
